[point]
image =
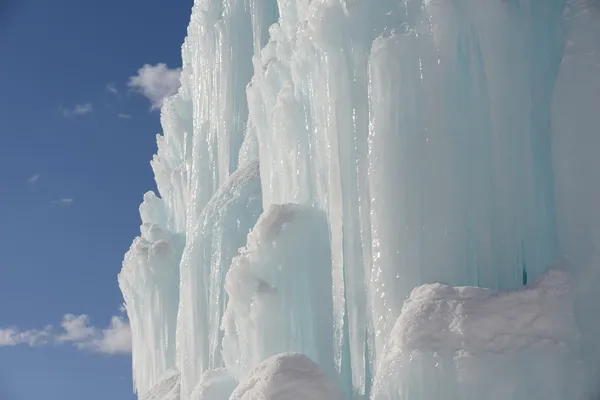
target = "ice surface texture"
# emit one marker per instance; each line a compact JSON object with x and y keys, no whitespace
{"x":287,"y":376}
{"x":166,"y":388}
{"x":279,"y":291}
{"x":468,"y":343}
{"x":387,"y":144}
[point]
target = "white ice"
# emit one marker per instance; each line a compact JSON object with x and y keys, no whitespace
{"x":279,"y":291}
{"x":288,"y":376}
{"x":385,"y":145}
{"x":166,"y":388}
{"x":468,"y":343}
{"x":215,"y":384}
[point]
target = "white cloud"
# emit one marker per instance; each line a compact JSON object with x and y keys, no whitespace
{"x":34,"y":178}
{"x":67,"y":201}
{"x":112,"y":87}
{"x":79,"y":109}
{"x":116,"y":339}
{"x":14,"y":337}
{"x":124,"y":116}
{"x":75,"y":330}
{"x":156,"y":82}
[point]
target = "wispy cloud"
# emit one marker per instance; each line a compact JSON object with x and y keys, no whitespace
{"x":79,"y":109}
{"x":14,"y":337}
{"x":124,"y":116}
{"x":77,"y":331}
{"x":112,"y":87}
{"x":156,"y":82}
{"x":67,"y":201}
{"x":34,"y":178}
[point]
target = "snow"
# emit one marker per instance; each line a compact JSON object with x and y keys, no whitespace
{"x":166,"y":388}
{"x":287,"y":376}
{"x":216,"y":384}
{"x":384,"y":187}
{"x":478,"y":342}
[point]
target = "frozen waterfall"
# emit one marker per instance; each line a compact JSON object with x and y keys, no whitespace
{"x":397,"y":195}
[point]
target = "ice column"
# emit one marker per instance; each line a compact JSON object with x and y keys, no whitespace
{"x":217,"y":54}
{"x":279,"y":292}
{"x":422,"y":129}
{"x":149,"y":278}
{"x":576,"y":118}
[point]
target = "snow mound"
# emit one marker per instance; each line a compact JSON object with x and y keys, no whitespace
{"x":471,"y":342}
{"x":215,"y":384}
{"x":167,"y":387}
{"x":440,"y":317}
{"x":288,"y":376}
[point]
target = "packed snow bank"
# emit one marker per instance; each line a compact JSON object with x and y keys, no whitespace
{"x":279,"y":291}
{"x":468,"y":343}
{"x":287,"y":377}
{"x":167,"y":387}
{"x":215,"y":384}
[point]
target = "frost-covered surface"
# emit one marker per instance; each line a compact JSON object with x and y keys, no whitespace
{"x":215,"y":384}
{"x":477,"y":343}
{"x":279,"y":291}
{"x":166,"y":388}
{"x":388,"y":144}
{"x":287,"y":376}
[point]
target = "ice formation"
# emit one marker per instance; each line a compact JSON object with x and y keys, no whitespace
{"x":166,"y":388}
{"x":215,"y":384}
{"x":287,"y":376}
{"x":279,"y":291}
{"x":465,"y":343}
{"x":399,"y":176}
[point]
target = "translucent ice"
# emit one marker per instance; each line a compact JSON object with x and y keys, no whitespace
{"x":220,"y":231}
{"x":149,"y":281}
{"x":279,"y":291}
{"x":422,"y":129}
{"x":576,"y":143}
{"x":386,"y":145}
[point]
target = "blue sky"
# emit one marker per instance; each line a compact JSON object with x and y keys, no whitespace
{"x":74,"y":164}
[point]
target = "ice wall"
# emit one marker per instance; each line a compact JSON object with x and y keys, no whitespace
{"x":416,"y":141}
{"x":149,"y":281}
{"x":422,"y":129}
{"x":217,"y":54}
{"x":219,"y":232}
{"x":576,"y":140}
